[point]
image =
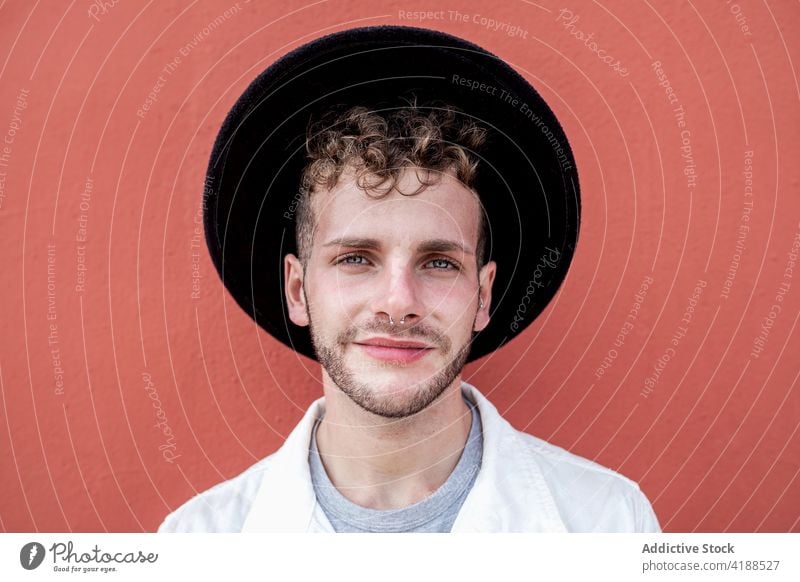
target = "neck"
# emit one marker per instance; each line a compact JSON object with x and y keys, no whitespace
{"x":389,"y":463}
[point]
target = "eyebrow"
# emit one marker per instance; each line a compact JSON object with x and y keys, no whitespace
{"x":435,"y":245}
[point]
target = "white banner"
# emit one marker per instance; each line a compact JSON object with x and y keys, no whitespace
{"x":389,"y":557}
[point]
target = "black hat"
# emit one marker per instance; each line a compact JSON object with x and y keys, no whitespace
{"x":526,"y":176}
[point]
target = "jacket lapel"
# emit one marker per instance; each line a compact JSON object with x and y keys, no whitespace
{"x":285,"y":501}
{"x":510,"y":493}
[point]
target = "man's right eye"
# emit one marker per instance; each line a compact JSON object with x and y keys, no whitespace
{"x":345,"y":260}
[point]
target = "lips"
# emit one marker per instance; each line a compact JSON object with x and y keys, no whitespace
{"x":393,"y":350}
{"x":392,"y":343}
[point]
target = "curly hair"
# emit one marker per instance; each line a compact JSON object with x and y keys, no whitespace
{"x":377,"y":146}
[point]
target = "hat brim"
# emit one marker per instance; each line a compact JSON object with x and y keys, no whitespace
{"x":527,"y":179}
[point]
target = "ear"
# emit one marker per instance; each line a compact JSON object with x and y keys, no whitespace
{"x":485,"y":279}
{"x":293,"y":275}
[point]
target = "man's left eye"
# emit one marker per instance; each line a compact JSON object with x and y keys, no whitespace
{"x":446,"y":261}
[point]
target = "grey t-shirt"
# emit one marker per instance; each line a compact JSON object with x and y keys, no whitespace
{"x":435,"y":513}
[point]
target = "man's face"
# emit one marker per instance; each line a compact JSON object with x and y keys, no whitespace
{"x":399,"y":256}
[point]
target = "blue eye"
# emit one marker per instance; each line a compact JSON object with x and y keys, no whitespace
{"x":345,"y":260}
{"x":448,"y":261}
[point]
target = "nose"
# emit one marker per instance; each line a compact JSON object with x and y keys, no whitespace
{"x":396,"y":294}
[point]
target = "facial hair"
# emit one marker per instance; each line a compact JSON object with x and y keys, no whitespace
{"x":331,"y":356}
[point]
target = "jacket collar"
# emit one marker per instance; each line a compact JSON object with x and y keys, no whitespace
{"x":509,"y":494}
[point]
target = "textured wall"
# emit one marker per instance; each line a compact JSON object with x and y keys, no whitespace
{"x":123,"y":393}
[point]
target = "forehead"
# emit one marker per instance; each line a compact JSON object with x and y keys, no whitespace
{"x":443,"y":210}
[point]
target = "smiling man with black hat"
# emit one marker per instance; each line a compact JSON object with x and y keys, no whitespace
{"x":372,"y":211}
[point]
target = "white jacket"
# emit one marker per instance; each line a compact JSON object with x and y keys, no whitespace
{"x":524,"y":485}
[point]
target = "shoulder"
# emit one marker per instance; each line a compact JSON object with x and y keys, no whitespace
{"x":589,"y":496}
{"x":220,"y":509}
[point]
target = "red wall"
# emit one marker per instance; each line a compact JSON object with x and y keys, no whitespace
{"x":715,"y":443}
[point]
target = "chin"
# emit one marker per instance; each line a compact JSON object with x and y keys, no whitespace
{"x":394,"y":393}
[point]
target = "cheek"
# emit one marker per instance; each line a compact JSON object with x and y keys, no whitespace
{"x":453,"y":296}
{"x":455,"y":308}
{"x":343,"y":296}
{"x":335,"y":303}
{"x":338,"y":282}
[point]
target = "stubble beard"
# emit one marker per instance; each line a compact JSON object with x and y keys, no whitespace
{"x":332,"y":358}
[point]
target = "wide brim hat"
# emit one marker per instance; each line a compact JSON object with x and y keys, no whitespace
{"x":526,"y":179}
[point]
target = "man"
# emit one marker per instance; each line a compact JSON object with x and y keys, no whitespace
{"x":393,"y":285}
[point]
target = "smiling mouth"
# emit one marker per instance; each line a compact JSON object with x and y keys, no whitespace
{"x":400,"y":354}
